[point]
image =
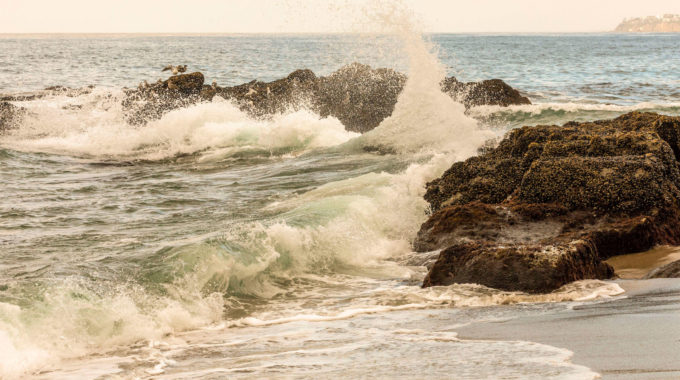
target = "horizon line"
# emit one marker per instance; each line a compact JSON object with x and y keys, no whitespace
{"x":198,"y":34}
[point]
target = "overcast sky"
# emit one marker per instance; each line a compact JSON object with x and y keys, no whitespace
{"x":305,"y":16}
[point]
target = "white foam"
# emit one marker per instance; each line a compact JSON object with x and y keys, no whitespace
{"x":351,"y":229}
{"x":424,"y":118}
{"x":71,"y":321}
{"x":220,"y":127}
{"x":569,"y":107}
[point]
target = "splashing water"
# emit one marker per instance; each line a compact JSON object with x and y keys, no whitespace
{"x":424,"y":117}
{"x":215,"y":129}
{"x":319,"y":233}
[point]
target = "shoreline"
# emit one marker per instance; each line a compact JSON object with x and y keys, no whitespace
{"x":638,"y":265}
{"x":633,"y":337}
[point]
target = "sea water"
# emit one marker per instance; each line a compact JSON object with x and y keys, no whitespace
{"x":208,"y":244}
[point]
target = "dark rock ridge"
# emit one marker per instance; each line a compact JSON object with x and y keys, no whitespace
{"x":357,"y":95}
{"x":149,"y":102}
{"x":261,"y":99}
{"x":670,"y":270}
{"x":493,"y":92}
{"x":10,"y":115}
{"x":49,"y":91}
{"x":550,"y":203}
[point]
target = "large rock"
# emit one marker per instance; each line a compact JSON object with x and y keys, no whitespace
{"x":262,"y":99}
{"x":186,"y":84}
{"x":150,"y":102}
{"x":551,"y":202}
{"x":518,"y":267}
{"x":493,"y":92}
{"x":10,"y":115}
{"x":359,"y":96}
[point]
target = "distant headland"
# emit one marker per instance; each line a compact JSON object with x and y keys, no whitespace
{"x":667,"y":23}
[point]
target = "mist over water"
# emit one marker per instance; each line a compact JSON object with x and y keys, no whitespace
{"x":142,"y":251}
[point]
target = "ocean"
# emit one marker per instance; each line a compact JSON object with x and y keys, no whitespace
{"x":208,"y":244}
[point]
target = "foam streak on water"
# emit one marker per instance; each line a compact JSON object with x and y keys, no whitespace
{"x":211,"y":244}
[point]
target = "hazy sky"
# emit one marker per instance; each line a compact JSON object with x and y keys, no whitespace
{"x":295,"y":16}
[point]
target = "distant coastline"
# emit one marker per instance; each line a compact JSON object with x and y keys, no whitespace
{"x":667,"y":23}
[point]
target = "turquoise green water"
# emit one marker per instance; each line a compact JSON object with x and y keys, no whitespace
{"x":208,"y":244}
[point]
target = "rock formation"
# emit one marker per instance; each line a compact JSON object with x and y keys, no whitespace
{"x":261,"y":99}
{"x":670,"y":270}
{"x":149,"y":102}
{"x":357,"y":95}
{"x":49,"y":91}
{"x":667,"y":23}
{"x":550,"y":203}
{"x":493,"y":92}
{"x":10,"y":115}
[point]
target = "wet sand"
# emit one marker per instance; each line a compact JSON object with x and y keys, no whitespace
{"x":633,"y":337}
{"x":637,"y":265}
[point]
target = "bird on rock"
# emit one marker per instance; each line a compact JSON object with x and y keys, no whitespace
{"x":176,"y":69}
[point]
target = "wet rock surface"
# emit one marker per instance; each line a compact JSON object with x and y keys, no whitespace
{"x":262,"y":99}
{"x":492,"y":92}
{"x":359,"y":96}
{"x":356,"y":94}
{"x":671,"y":270}
{"x":547,"y":205}
{"x":49,"y":91}
{"x":10,"y":115}
{"x":151,"y":101}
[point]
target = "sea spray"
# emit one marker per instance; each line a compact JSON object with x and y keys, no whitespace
{"x":424,"y":118}
{"x":216,"y":129}
{"x":336,"y":251}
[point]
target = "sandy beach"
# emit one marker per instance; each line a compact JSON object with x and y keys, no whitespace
{"x":389,"y":189}
{"x":633,"y":337}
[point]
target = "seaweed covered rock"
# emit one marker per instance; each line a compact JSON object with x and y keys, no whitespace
{"x":522,"y":267}
{"x":552,"y":202}
{"x":150,"y":102}
{"x":10,"y":115}
{"x":359,"y":96}
{"x":487,"y":92}
{"x":261,"y":99}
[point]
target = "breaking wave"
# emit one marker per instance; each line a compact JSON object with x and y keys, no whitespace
{"x":215,"y":130}
{"x":342,"y":249}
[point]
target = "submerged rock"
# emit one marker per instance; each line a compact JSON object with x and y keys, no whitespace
{"x":49,"y":91}
{"x":359,"y":96}
{"x":10,"y":115}
{"x":670,"y":270}
{"x":550,"y":203}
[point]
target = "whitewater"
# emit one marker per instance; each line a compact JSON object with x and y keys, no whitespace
{"x":209,"y":244}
